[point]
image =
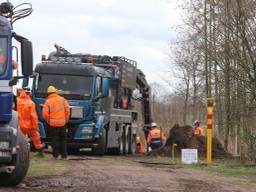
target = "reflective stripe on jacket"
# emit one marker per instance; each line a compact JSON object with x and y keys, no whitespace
{"x":28,"y":118}
{"x":155,"y":136}
{"x":56,"y":110}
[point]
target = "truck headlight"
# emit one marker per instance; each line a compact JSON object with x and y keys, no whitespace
{"x":87,"y":130}
{"x":4,"y":144}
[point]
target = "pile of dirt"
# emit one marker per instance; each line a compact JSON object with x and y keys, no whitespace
{"x":185,"y":139}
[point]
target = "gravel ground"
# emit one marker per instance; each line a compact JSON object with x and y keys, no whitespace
{"x":110,"y":174}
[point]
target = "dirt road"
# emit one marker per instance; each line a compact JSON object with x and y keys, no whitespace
{"x":110,"y":174}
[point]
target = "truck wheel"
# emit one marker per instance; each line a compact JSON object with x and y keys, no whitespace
{"x":101,"y":148}
{"x":120,"y":150}
{"x":127,"y":139}
{"x":21,"y":163}
{"x":130,"y":141}
{"x":122,"y":142}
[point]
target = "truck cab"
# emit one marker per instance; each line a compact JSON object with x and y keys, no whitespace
{"x":5,"y":70}
{"x":14,"y":148}
{"x":84,"y":87}
{"x":99,"y":91}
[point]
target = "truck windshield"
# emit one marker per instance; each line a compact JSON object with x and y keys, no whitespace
{"x":3,"y":54}
{"x":69,"y":86}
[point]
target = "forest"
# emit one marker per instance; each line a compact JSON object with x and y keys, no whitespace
{"x":213,"y":56}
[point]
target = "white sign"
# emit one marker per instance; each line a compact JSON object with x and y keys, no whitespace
{"x":189,"y":156}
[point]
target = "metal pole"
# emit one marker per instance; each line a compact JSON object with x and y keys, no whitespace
{"x":210,"y":103}
{"x":173,"y":148}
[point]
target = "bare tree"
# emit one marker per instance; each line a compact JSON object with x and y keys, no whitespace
{"x":216,"y":50}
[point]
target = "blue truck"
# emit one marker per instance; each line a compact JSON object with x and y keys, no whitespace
{"x":101,"y":91}
{"x":14,"y":148}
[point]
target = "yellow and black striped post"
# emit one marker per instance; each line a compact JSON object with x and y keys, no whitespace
{"x":210,"y":104}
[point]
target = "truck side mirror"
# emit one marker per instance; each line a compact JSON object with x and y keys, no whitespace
{"x":26,"y":57}
{"x":104,"y":87}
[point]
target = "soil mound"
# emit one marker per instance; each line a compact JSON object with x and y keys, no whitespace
{"x":184,"y":137}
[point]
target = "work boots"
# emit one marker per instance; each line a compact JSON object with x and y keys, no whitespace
{"x":41,"y":150}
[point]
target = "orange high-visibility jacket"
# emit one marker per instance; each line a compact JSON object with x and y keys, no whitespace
{"x":155,"y":136}
{"x":199,"y":131}
{"x":56,"y":110}
{"x":26,"y":112}
{"x":140,"y":148}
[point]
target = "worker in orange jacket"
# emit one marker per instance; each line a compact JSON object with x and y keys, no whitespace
{"x":56,"y":113}
{"x":140,"y":148}
{"x":198,"y":131}
{"x":155,"y":137}
{"x":28,"y":120}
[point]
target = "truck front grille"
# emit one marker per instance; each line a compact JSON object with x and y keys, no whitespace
{"x":76,"y":112}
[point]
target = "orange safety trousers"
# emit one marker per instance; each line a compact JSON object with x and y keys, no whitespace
{"x":28,"y":119}
{"x":34,"y":135}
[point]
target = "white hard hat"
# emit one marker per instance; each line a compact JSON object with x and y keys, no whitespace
{"x":153,"y":124}
{"x":196,"y":122}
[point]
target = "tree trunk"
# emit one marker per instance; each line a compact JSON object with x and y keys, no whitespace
{"x":227,"y":75}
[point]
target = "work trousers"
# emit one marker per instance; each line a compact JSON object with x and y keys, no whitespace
{"x":155,"y":145}
{"x":59,"y":142}
{"x":34,"y":135}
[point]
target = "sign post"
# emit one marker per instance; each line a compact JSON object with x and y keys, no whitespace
{"x":210,"y":105}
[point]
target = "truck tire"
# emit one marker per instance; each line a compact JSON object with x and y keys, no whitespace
{"x":101,"y":148}
{"x":122,"y":142}
{"x":21,"y":163}
{"x":127,"y":139}
{"x":120,"y":150}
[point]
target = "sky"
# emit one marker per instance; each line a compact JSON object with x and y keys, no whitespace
{"x":140,"y":30}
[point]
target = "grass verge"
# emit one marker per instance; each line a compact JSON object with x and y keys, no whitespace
{"x":221,"y":167}
{"x":230,"y":169}
{"x":46,"y":166}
